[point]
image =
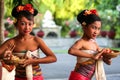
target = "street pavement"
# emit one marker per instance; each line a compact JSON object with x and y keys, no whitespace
{"x":61,"y":69}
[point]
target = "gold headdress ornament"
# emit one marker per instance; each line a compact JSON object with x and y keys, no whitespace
{"x":84,"y":23}
{"x":15,"y":20}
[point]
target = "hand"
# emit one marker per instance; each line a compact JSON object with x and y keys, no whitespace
{"x":8,"y":52}
{"x":99,"y":54}
{"x":7,"y":55}
{"x":107,"y":60}
{"x":26,"y":62}
{"x":107,"y":51}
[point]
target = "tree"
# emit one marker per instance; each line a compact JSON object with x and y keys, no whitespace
{"x":109,"y":15}
{"x":1,"y":21}
{"x":65,"y":10}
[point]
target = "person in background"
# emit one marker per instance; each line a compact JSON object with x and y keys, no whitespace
{"x":22,"y":50}
{"x":88,"y":53}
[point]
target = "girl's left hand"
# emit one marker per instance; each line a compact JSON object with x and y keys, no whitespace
{"x":107,"y":60}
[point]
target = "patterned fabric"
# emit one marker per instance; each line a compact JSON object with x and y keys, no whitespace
{"x":8,"y":67}
{"x":34,"y":78}
{"x":84,"y":69}
{"x":21,"y":71}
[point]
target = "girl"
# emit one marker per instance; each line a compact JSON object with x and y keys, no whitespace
{"x":86,"y":49}
{"x":26,"y":46}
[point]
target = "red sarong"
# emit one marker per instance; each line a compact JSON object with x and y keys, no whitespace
{"x":77,"y":76}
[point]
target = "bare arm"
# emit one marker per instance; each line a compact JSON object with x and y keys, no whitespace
{"x":50,"y":57}
{"x":75,"y":50}
{"x":6,"y":48}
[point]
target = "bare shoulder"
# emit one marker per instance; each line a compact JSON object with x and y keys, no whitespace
{"x":6,"y":44}
{"x":36,"y":38}
{"x":39,"y":40}
{"x":78,"y":44}
{"x":9,"y":41}
{"x":41,"y":43}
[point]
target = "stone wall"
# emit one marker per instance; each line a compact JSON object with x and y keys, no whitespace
{"x":67,"y":42}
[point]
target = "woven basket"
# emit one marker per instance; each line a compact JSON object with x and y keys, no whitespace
{"x":113,"y":54}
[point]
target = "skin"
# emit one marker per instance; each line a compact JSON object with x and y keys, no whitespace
{"x":87,"y":42}
{"x":25,"y":41}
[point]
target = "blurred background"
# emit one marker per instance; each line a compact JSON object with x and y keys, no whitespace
{"x":62,"y":14}
{"x":57,"y":18}
{"x":56,"y":23}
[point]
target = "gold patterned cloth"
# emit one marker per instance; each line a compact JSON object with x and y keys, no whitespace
{"x":99,"y":68}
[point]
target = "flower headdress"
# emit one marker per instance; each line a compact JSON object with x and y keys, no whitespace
{"x":27,"y":7}
{"x":89,"y":12}
{"x":21,"y":9}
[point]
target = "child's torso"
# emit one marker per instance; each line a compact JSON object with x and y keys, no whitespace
{"x":20,"y":70}
{"x":86,"y":66}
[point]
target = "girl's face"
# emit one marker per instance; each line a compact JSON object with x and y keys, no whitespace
{"x":24,"y":26}
{"x":92,"y":30}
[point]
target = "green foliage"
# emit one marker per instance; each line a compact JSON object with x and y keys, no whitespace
{"x":65,"y":31}
{"x":109,"y":15}
{"x":65,"y":10}
{"x":107,"y":4}
{"x":8,"y":8}
{"x":9,"y":4}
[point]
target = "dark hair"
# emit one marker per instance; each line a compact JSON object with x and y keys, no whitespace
{"x":24,"y":14}
{"x":88,"y":18}
{"x":25,"y":11}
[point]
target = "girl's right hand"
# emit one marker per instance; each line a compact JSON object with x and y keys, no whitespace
{"x":99,"y":54}
{"x":8,"y":54}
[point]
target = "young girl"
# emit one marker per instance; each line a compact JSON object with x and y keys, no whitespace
{"x":25,"y":46}
{"x":88,"y":53}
